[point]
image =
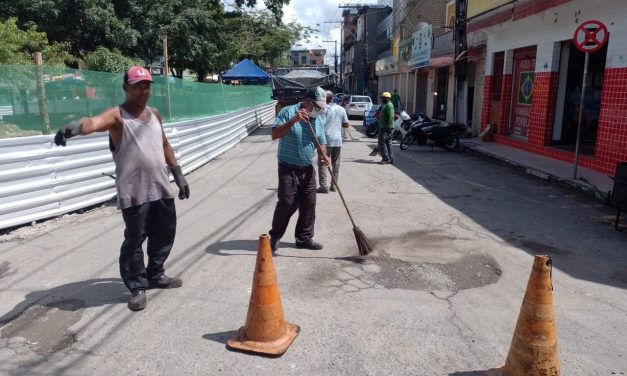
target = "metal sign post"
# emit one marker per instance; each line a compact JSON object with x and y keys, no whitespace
{"x":589,"y":37}
{"x":583,"y":91}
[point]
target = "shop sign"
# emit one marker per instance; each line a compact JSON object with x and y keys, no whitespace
{"x":404,"y":52}
{"x":476,"y":7}
{"x":386,"y":66}
{"x":421,"y":47}
{"x":395,"y":42}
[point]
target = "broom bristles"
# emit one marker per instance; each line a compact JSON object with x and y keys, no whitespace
{"x":364,"y":244}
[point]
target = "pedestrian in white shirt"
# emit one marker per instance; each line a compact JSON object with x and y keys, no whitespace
{"x":335,"y":119}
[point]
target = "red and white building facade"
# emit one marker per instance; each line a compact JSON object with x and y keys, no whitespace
{"x":533,"y":76}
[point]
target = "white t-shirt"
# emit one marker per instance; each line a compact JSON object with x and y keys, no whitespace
{"x":335,"y":116}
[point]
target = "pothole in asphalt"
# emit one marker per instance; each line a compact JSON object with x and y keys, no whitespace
{"x":5,"y":269}
{"x":44,"y":329}
{"x":468,"y":272}
{"x":421,"y":260}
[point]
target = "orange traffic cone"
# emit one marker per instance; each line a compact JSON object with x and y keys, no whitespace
{"x":265,"y":330}
{"x":533,"y":351}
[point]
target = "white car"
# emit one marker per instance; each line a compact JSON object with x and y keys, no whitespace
{"x":357,"y":105}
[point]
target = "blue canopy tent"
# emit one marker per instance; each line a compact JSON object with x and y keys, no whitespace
{"x":245,"y":70}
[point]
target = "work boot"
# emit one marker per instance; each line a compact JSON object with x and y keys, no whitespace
{"x":309,"y":244}
{"x":323,"y":190}
{"x":165,"y":282}
{"x":137,"y":300}
{"x":274,"y":244}
{"x":332,"y":189}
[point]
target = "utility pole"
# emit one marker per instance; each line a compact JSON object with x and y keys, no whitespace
{"x":341,"y":62}
{"x":335,"y":55}
{"x":365,"y":50}
{"x":363,"y":9}
{"x":166,"y":68}
{"x":166,"y":74}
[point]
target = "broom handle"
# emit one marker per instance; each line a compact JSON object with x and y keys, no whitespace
{"x":313,"y":134}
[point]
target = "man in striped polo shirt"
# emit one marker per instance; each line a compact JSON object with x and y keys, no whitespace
{"x":297,"y":177}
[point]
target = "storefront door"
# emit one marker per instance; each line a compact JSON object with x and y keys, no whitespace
{"x":569,"y":97}
{"x":439,"y":110}
{"x":522,"y":95}
{"x":497,"y":86}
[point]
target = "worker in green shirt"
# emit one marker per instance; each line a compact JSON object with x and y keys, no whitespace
{"x":386,"y":125}
{"x":396,"y":101}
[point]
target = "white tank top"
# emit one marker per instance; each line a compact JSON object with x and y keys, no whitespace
{"x":140,"y":169}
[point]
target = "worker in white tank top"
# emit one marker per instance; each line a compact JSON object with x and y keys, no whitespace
{"x":142,"y":156}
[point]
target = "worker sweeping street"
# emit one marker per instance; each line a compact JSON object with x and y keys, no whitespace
{"x":297,"y":176}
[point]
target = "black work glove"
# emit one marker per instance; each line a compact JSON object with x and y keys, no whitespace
{"x":180,"y":181}
{"x":67,"y":131}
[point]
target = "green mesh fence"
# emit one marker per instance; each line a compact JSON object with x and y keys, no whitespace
{"x":69,"y":94}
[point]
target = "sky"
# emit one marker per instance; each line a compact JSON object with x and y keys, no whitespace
{"x":319,"y":14}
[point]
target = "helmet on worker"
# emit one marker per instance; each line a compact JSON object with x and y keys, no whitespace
{"x":385,"y":96}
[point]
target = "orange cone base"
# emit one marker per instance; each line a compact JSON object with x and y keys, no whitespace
{"x":277,"y":347}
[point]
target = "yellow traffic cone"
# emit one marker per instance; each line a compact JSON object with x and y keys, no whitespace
{"x":533,"y":351}
{"x":265,"y":331}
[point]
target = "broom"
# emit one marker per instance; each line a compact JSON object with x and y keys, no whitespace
{"x":364,"y":244}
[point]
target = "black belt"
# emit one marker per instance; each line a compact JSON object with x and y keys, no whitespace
{"x":294,"y":167}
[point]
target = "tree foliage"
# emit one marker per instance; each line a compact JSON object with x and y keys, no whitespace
{"x":104,"y":60}
{"x":18,"y":46}
{"x":260,"y":38}
{"x":83,"y":24}
{"x":202,"y":36}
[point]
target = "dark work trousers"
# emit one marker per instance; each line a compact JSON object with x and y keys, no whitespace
{"x":385,"y":144}
{"x":156,"y":221}
{"x":297,"y":190}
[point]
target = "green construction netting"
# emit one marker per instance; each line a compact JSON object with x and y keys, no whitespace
{"x":72,"y":93}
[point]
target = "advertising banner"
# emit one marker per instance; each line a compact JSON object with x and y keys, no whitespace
{"x":524,"y":71}
{"x":404,"y":52}
{"x":476,"y":7}
{"x":421,"y":47}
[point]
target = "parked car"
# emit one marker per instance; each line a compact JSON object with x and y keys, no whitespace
{"x":357,"y":105}
{"x":344,"y":99}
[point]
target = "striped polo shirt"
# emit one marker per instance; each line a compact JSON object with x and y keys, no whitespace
{"x":297,"y":146}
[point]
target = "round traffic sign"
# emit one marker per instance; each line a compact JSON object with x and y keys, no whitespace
{"x":590,"y":36}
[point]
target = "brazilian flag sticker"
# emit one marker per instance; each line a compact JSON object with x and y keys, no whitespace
{"x":525,"y":91}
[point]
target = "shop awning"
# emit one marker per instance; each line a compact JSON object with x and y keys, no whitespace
{"x":441,"y":61}
{"x":470,"y":54}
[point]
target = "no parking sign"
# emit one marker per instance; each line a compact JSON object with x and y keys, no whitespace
{"x":590,"y":36}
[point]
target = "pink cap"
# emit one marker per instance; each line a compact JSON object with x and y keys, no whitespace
{"x":136,"y":74}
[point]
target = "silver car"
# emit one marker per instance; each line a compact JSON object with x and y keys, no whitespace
{"x":357,"y":105}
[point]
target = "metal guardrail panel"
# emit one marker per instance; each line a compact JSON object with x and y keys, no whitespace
{"x":40,"y":180}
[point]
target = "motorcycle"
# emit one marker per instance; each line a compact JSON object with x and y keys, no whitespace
{"x":402,"y":124}
{"x":427,"y":131}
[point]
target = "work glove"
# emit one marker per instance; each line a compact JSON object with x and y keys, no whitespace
{"x":180,"y":181}
{"x":67,"y":131}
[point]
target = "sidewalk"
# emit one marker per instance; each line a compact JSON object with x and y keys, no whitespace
{"x":552,"y":170}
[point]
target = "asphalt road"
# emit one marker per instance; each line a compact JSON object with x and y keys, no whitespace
{"x":455,"y":240}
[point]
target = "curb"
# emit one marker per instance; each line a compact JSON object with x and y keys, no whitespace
{"x":572,"y":185}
